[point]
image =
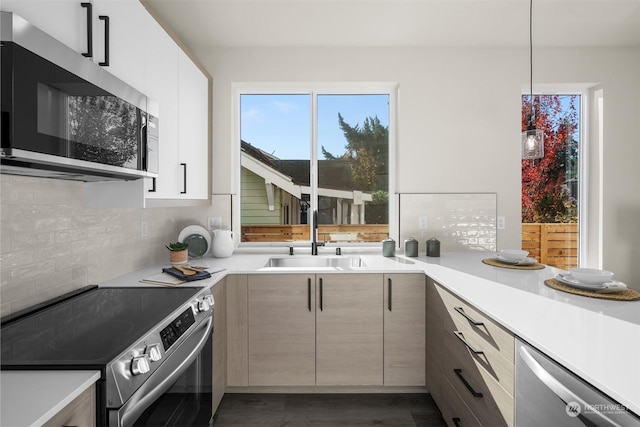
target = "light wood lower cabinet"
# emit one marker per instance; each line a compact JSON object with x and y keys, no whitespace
{"x":404,"y":329}
{"x":325,"y":329}
{"x":349,"y":329}
{"x":472,"y":362}
{"x":80,"y":412}
{"x":237,"y":331}
{"x":219,"y":342}
{"x":282,"y":327}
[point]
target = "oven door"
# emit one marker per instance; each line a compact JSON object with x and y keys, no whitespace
{"x":179,"y":393}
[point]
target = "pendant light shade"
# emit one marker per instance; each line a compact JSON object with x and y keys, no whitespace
{"x":532,"y":138}
{"x":532,"y":143}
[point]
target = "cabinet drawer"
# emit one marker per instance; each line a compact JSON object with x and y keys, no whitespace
{"x":486,"y":398}
{"x":464,"y":316}
{"x":454,"y":411}
{"x":467,"y":344}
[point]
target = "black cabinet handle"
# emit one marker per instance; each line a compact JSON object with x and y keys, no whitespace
{"x":390,"y":284}
{"x":458,"y":373}
{"x":309,"y":293}
{"x":466,"y":316}
{"x":104,"y":18}
{"x":184,"y":173}
{"x":321,"y":301}
{"x":456,"y":421}
{"x":89,"y":7}
{"x":153,"y":186}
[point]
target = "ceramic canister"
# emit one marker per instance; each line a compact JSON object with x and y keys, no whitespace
{"x":388,"y":247}
{"x":433,"y":247}
{"x":411,"y":247}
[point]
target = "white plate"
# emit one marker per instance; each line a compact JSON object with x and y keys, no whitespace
{"x":196,"y":232}
{"x":523,"y":261}
{"x":605,"y":288}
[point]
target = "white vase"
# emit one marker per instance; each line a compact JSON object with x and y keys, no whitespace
{"x":223,"y":244}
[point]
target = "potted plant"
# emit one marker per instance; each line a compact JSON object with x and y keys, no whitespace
{"x":178,"y":252}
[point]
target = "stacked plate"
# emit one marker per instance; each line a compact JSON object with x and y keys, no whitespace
{"x":515,"y":257}
{"x":198,"y":239}
{"x":591,"y":279}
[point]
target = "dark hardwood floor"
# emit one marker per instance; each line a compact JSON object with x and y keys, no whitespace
{"x":328,"y":410}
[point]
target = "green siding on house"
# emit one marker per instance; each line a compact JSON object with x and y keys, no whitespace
{"x":253,"y":201}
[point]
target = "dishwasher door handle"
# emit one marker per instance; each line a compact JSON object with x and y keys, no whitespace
{"x":560,"y":390}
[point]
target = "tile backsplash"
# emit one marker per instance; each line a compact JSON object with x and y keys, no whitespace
{"x":52,"y":244}
{"x":461,"y":221}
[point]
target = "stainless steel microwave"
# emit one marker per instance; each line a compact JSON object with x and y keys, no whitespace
{"x":63,"y":116}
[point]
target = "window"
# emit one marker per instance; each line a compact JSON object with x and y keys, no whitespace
{"x":551,"y":186}
{"x":314,"y":151}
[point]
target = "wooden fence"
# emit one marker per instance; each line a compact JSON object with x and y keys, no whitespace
{"x":552,"y":244}
{"x":328,"y":233}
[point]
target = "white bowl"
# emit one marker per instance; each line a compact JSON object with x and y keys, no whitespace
{"x":591,"y":276}
{"x":513,"y":254}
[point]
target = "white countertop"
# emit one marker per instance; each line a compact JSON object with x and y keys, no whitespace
{"x":599,"y":340}
{"x":31,"y":398}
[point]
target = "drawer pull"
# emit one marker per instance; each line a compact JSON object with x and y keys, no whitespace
{"x":390,"y":296}
{"x":466,"y":316}
{"x":464,"y":341}
{"x":309,"y":294}
{"x":458,"y":373}
{"x":456,"y":421}
{"x":321,"y":296}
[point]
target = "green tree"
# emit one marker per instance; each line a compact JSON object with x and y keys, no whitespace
{"x":367,"y":149}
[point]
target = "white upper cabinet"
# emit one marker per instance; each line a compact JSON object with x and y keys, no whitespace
{"x":65,"y":20}
{"x":193,"y":103}
{"x":143,"y":55}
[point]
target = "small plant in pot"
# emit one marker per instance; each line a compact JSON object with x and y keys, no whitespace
{"x":178,"y":252}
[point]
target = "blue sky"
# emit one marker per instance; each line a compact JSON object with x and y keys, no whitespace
{"x":281,"y":124}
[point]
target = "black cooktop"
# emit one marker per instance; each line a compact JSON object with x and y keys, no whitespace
{"x":88,"y":329}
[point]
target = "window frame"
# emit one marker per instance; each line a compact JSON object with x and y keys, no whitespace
{"x":314,"y":90}
{"x":583,"y":163}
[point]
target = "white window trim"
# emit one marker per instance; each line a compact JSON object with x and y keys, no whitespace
{"x":314,"y":89}
{"x":585,"y":250}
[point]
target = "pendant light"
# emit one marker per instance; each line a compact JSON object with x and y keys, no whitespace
{"x":532,"y":138}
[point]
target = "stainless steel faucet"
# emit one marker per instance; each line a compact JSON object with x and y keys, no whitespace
{"x":314,"y":233}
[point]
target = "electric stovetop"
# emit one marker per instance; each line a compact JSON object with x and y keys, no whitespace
{"x":86,"y":330}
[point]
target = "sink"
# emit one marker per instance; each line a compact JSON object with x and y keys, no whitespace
{"x":315,"y":262}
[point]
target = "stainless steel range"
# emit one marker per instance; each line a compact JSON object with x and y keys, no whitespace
{"x":152,"y":346}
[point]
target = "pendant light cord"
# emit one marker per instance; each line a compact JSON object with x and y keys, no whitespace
{"x":531,"y":114}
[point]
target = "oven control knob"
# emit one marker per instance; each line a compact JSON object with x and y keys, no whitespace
{"x":140,"y":365}
{"x":202,"y":306}
{"x":153,"y":351}
{"x":209,"y":299}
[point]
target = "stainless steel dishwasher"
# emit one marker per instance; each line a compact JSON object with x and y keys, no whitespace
{"x":547,"y":394}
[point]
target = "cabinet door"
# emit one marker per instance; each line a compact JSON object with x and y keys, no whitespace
{"x":219,"y":367}
{"x":79,"y":412}
{"x":349,"y":329}
{"x":404,"y":329}
{"x":128,"y":39}
{"x":161,"y":86}
{"x":193,"y":115}
{"x":64,"y":20}
{"x":282,"y":347}
{"x":237,"y":331}
{"x":435,"y":310}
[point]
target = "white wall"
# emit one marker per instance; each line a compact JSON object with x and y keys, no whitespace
{"x":459,"y":120}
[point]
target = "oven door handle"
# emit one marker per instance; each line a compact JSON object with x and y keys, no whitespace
{"x":152,"y":389}
{"x":560,"y":390}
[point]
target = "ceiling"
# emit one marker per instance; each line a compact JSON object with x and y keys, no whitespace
{"x":392,"y":23}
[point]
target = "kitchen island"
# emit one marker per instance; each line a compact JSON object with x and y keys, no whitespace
{"x":596,"y":339}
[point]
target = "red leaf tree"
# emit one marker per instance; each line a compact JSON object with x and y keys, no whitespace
{"x":549,"y":184}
